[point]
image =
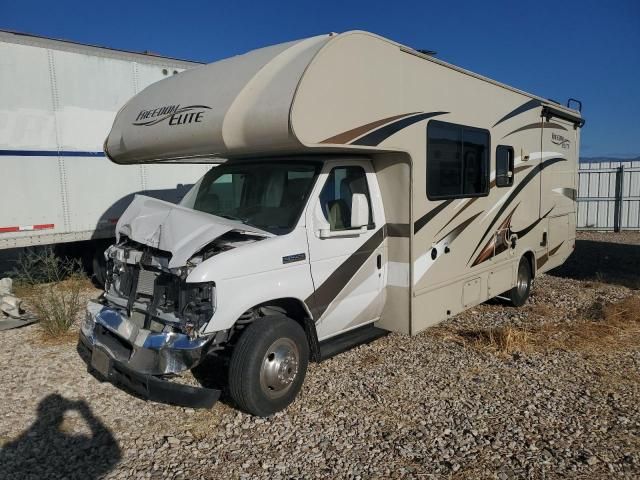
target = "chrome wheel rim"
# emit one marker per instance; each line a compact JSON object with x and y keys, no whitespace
{"x":279,"y":367}
{"x":523,"y":281}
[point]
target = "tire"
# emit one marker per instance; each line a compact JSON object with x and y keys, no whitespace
{"x":268,"y":365}
{"x":519,"y":294}
{"x":99,"y":269}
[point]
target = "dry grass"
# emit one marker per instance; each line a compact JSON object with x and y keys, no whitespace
{"x":602,"y":327}
{"x":52,"y":288}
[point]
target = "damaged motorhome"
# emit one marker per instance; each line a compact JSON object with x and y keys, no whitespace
{"x":363,"y":187}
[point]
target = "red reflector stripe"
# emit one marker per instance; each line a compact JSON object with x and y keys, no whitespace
{"x":43,"y":226}
{"x":27,"y":228}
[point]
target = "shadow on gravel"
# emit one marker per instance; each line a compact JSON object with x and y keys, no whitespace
{"x":606,"y":262}
{"x":47,"y":450}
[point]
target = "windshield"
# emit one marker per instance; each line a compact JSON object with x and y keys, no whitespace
{"x":267,"y":195}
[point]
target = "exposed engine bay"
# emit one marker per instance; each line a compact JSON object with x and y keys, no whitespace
{"x":158,"y":298}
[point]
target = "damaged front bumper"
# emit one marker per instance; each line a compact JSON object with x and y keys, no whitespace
{"x":136,"y":358}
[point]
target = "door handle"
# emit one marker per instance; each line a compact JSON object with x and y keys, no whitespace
{"x":379,"y":261}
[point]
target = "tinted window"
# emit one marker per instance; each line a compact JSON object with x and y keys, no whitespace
{"x":504,"y":166}
{"x":336,"y":195}
{"x":457,"y":161}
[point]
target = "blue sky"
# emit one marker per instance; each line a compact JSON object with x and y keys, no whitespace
{"x":585,"y":49}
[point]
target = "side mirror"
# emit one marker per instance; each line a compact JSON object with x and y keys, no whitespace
{"x":359,"y":210}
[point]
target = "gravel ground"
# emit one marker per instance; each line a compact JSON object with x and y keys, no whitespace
{"x":422,"y":407}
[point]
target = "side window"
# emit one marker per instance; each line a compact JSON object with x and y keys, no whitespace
{"x":336,"y":195}
{"x":504,"y":166}
{"x":457,"y":161}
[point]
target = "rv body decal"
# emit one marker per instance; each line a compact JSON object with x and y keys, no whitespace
{"x":560,"y":140}
{"x":323,"y":296}
{"x":545,"y":258}
{"x":499,"y":241}
{"x":378,"y":136}
{"x":425,"y":261}
{"x":374,"y":133}
{"x":175,"y":114}
{"x":525,"y":107}
{"x":536,"y":125}
{"x":427,"y":217}
{"x":346,"y":137}
{"x":514,"y":193}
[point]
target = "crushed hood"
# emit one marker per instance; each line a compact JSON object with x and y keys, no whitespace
{"x":175,"y":229}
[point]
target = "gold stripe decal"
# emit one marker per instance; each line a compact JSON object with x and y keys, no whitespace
{"x":346,"y":137}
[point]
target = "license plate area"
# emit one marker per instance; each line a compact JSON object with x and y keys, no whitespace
{"x":101,"y":362}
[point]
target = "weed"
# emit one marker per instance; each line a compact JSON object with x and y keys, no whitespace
{"x":601,"y":327}
{"x":503,"y":340}
{"x":52,"y":286}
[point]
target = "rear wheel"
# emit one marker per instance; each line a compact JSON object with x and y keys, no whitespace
{"x":268,"y":365}
{"x":519,"y":294}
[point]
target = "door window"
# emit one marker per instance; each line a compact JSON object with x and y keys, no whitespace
{"x":336,"y":195}
{"x":504,"y":166}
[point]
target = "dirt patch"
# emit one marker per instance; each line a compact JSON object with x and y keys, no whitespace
{"x":610,"y":326}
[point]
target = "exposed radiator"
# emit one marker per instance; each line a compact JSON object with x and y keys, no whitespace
{"x":146,"y":281}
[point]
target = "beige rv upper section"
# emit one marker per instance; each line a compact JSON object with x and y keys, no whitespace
{"x":324,"y":92}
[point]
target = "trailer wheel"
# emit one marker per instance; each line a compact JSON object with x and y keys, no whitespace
{"x":268,"y":365}
{"x":519,"y":294}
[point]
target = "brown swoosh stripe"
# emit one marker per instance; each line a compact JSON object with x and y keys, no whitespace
{"x":532,"y":126}
{"x":554,"y":250}
{"x":322,"y":297}
{"x":524,"y":231}
{"x":490,"y":248}
{"x":349,"y":135}
{"x":491,"y":185}
{"x":514,"y":193}
{"x":519,"y":168}
{"x":377,"y":136}
{"x":458,"y":213}
{"x":541,"y":261}
{"x":426,"y":218}
{"x":453,"y":234}
{"x":531,"y":104}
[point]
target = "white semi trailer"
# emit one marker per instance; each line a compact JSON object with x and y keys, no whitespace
{"x":58,"y":100}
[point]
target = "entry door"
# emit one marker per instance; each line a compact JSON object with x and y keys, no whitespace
{"x":558,"y":188}
{"x":348,"y":265}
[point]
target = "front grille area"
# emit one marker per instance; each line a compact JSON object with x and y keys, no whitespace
{"x":155,"y":298}
{"x":146,"y":282}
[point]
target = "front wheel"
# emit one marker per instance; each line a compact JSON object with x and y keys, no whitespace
{"x":268,"y":365}
{"x":519,"y":294}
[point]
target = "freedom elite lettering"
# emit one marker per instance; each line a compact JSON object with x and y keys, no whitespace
{"x":173,"y":114}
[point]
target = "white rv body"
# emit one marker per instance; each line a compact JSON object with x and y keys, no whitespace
{"x":470,"y":185}
{"x":58,"y":100}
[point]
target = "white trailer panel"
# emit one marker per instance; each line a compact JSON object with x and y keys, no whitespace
{"x":57,"y":103}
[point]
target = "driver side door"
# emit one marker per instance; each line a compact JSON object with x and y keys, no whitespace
{"x":348,"y":265}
